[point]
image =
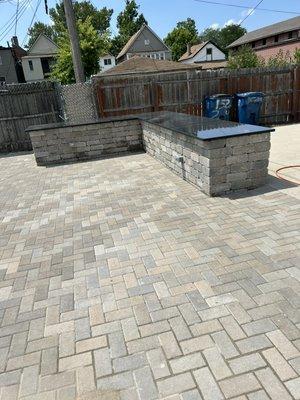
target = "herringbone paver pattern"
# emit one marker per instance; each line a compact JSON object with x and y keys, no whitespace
{"x":121,"y":281}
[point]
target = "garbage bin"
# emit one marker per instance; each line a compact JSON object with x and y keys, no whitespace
{"x":218,"y":106}
{"x":248,"y":107}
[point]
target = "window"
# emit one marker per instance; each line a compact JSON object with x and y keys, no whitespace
{"x":45,"y":65}
{"x":209,"y":54}
{"x":276,"y":38}
{"x":2,"y":79}
{"x":264,"y":42}
{"x":147,"y":42}
{"x":30,"y":63}
{"x":253,"y":45}
{"x":1,"y":61}
{"x":161,"y":56}
{"x":290,"y":36}
{"x":107,"y":61}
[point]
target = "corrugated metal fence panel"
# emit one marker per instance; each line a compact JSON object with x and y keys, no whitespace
{"x":22,"y":105}
{"x":184,"y":91}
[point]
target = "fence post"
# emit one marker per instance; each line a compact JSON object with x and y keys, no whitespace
{"x":296,"y":95}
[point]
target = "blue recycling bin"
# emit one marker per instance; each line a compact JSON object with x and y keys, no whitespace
{"x":218,"y":106}
{"x":248,"y":107}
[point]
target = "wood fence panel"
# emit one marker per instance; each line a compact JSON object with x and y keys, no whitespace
{"x":184,"y":91}
{"x":22,"y":105}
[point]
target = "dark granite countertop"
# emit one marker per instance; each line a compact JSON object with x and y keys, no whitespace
{"x":191,"y":125}
{"x":201,"y":127}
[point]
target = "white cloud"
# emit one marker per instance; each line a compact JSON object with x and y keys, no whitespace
{"x":215,"y":25}
{"x":231,"y":22}
{"x":245,"y":13}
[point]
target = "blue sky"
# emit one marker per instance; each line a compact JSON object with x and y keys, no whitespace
{"x":162,"y":15}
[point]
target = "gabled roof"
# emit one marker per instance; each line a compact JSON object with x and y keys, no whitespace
{"x":134,"y":37}
{"x":270,"y":30}
{"x":41,"y":35}
{"x":144,"y":64}
{"x":194,"y":50}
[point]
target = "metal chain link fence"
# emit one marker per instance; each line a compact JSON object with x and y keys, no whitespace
{"x":78,"y":102}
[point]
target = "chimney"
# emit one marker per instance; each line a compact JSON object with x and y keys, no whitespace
{"x":188,"y":49}
{"x":14,"y":41}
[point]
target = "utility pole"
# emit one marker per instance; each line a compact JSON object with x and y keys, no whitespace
{"x":76,"y":53}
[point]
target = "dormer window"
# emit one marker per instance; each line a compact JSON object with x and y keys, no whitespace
{"x":147,"y":42}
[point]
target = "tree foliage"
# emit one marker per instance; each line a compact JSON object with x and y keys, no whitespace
{"x":129,"y":21}
{"x":223,"y":37}
{"x":244,"y":57}
{"x":184,"y":33}
{"x":38,"y":28}
{"x":91,"y":44}
{"x":100,"y":19}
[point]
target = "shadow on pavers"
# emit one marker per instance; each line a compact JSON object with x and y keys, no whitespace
{"x":273,"y":184}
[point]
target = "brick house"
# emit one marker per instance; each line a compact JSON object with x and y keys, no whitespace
{"x":267,"y":41}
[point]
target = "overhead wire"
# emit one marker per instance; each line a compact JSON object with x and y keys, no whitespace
{"x":15,"y":19}
{"x":247,"y":7}
{"x":32,"y":20}
{"x":251,"y":12}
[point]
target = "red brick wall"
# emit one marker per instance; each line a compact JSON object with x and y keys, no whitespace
{"x":266,"y":53}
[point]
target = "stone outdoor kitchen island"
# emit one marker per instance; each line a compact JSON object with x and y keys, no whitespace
{"x":215,"y":155}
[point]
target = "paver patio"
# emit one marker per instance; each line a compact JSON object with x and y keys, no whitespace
{"x":121,"y":281}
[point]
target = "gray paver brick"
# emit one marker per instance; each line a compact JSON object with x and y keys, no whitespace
{"x":238,"y":385}
{"x":176,"y":384}
{"x":207,"y":385}
{"x":126,"y":280}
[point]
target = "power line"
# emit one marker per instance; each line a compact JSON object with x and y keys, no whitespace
{"x":17,"y":13}
{"x":11,"y":23}
{"x":32,"y":19}
{"x":245,"y":7}
{"x":251,"y":12}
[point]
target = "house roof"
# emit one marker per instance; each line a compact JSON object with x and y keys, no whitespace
{"x":37,"y":40}
{"x":212,"y":64}
{"x":135,"y":36}
{"x":144,"y":64}
{"x":194,"y":50}
{"x":270,"y":30}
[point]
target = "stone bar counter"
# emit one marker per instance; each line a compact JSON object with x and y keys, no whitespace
{"x":215,"y":155}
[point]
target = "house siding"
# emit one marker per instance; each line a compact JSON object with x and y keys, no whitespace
{"x":7,"y":68}
{"x":200,"y":57}
{"x":268,"y":52}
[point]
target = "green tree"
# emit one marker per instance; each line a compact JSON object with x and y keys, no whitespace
{"x":281,"y":59}
{"x":297,"y":57}
{"x":38,"y":28}
{"x":184,"y":33}
{"x":100,"y":19}
{"x":92,"y":45}
{"x":244,"y":57}
{"x":223,"y":37}
{"x":129,"y":21}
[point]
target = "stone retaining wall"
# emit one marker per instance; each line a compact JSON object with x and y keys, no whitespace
{"x":216,"y":166}
{"x":59,"y":144}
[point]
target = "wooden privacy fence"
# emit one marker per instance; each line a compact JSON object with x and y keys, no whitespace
{"x":22,"y":105}
{"x":184,"y":91}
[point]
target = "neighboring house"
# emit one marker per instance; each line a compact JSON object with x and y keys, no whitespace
{"x":141,"y":65}
{"x":267,"y":41}
{"x":10,"y":63}
{"x":145,"y":43}
{"x":40,"y":56}
{"x":207,"y":55}
{"x":107,"y":62}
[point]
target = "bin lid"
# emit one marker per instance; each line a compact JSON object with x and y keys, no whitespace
{"x":250,"y":94}
{"x":219,"y":96}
